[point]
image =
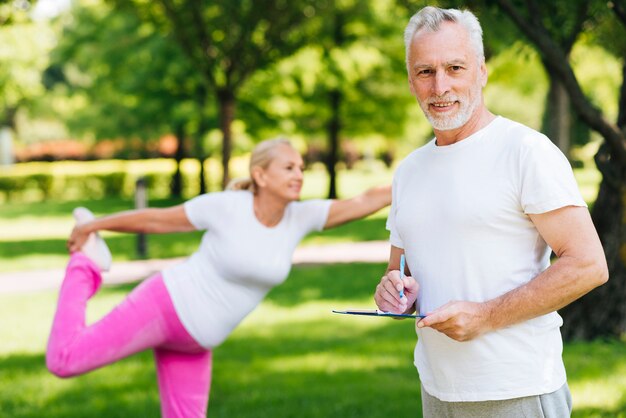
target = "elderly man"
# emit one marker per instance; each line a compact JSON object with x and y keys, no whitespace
{"x":477,"y":211}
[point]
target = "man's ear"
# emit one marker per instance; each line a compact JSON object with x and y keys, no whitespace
{"x":484,"y":74}
{"x":258,"y":175}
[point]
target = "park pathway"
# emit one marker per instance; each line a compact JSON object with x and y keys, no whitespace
{"x":131,"y":271}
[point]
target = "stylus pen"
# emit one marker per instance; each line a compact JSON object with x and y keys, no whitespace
{"x":402,"y":274}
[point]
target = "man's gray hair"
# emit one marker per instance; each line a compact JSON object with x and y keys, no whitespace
{"x":430,"y":18}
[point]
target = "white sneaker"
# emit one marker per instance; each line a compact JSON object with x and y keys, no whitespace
{"x":94,"y":248}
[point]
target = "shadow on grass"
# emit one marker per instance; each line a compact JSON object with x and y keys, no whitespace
{"x":123,"y":246}
{"x":126,"y":389}
{"x":285,"y":361}
{"x":607,"y":358}
{"x":618,"y":412}
{"x":253,"y":377}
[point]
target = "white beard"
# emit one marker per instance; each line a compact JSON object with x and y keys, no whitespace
{"x":467,"y":106}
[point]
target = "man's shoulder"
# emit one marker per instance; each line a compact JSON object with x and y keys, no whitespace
{"x":516,"y":130}
{"x":415,"y":155}
{"x":518,"y":135}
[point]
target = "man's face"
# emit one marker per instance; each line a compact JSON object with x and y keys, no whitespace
{"x":445,"y":76}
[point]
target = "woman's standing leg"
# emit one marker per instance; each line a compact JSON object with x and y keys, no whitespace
{"x":184,"y":382}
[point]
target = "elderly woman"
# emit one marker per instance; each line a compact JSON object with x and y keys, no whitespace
{"x":252,"y":230}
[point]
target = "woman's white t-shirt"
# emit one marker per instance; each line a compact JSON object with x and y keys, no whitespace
{"x":239,"y":260}
{"x":460,"y":212}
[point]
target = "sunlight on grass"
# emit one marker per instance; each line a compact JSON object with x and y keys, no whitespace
{"x":597,"y":376}
{"x":332,"y":363}
{"x":600,"y":393}
{"x":290,"y":357}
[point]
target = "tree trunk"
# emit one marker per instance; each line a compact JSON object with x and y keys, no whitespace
{"x":176,"y":187}
{"x":333,"y":143}
{"x":334,"y":124}
{"x":621,"y":117}
{"x":226,"y":101}
{"x":557,"y":125}
{"x":602,"y":313}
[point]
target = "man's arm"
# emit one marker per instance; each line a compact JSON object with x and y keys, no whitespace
{"x":581,"y":266}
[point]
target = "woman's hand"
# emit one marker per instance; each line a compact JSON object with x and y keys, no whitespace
{"x":78,"y":237}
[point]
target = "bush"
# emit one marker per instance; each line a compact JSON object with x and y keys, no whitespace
{"x":112,"y":183}
{"x":86,"y":180}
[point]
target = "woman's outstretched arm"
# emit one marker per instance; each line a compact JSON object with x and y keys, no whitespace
{"x":150,"y":220}
{"x":342,"y":211}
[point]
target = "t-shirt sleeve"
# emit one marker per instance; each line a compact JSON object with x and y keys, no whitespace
{"x":548,"y":181}
{"x":206,"y":210}
{"x":394,"y":236}
{"x":312,"y":214}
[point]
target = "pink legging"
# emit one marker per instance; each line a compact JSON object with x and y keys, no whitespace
{"x":144,"y":319}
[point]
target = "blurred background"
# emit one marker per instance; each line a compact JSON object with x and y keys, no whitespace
{"x":98,"y":97}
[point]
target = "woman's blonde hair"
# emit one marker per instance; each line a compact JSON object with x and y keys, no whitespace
{"x":262,"y":156}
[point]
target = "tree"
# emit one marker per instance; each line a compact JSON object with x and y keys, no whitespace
{"x":14,"y":11}
{"x":147,"y":93}
{"x":349,"y":82}
{"x":23,"y":56}
{"x":227,"y":42}
{"x":601,"y":312}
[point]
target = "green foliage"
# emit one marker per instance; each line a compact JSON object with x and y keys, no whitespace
{"x":12,"y":12}
{"x":142,"y":93}
{"x":358,"y":52}
{"x":24,"y":48}
{"x":290,"y":357}
{"x":82,"y":180}
{"x":517,"y":85}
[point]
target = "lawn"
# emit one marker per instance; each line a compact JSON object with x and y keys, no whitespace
{"x":290,"y":358}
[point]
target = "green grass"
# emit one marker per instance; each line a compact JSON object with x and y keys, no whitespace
{"x":290,"y":358}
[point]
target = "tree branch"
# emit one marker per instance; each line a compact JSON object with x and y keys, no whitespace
{"x":582,"y":13}
{"x":619,"y":10}
{"x":556,"y":60}
{"x":187,"y":41}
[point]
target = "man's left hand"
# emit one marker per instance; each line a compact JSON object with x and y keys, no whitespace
{"x":459,"y":320}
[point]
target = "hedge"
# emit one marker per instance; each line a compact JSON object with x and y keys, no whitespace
{"x":74,"y":180}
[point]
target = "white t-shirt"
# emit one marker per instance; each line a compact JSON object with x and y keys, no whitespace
{"x":460,"y":214}
{"x":239,"y":260}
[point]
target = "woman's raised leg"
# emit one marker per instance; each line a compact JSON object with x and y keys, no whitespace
{"x":143,"y":320}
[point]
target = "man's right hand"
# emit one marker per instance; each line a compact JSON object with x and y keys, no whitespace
{"x":387,"y":294}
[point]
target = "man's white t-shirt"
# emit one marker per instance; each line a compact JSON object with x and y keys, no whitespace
{"x":460,"y":212}
{"x":239,"y":260}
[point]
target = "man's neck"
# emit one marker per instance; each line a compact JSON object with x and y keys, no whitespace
{"x":482,"y":118}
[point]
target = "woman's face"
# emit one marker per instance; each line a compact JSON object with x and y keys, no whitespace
{"x":283,"y":176}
